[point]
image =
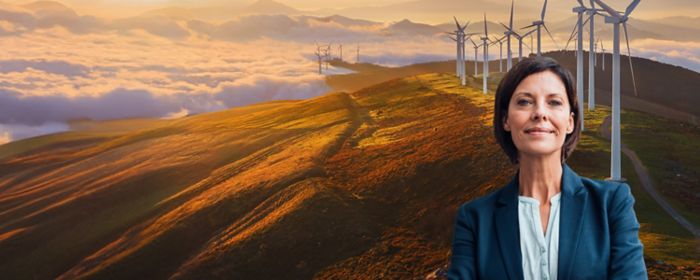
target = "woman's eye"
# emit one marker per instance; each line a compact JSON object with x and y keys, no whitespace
{"x":523,"y":102}
{"x":555,"y":103}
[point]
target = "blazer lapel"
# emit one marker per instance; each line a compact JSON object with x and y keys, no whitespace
{"x":573,"y":206}
{"x":508,"y":231}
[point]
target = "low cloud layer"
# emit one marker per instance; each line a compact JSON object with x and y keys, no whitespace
{"x":58,"y":66}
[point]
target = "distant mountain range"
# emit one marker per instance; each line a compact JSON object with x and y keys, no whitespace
{"x":172,"y":21}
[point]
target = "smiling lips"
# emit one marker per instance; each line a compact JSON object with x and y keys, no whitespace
{"x":538,"y":131}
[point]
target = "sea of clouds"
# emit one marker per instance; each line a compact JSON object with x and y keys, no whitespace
{"x":57,"y":66}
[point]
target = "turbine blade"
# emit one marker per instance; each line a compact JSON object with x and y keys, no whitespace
{"x":486,"y":29}
{"x":607,"y":8}
{"x":587,"y":20}
{"x":631,"y":7}
{"x":629,"y":55}
{"x":504,"y":26}
{"x":531,"y":25}
{"x":457,"y":23}
{"x":544,"y":8}
{"x":550,"y":36}
{"x":512,"y":2}
{"x":573,"y":32}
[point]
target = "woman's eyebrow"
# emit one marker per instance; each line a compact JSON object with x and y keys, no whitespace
{"x":555,"y":94}
{"x":523,"y":93}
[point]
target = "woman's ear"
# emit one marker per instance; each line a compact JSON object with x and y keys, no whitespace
{"x":570,"y":127}
{"x":506,"y":126}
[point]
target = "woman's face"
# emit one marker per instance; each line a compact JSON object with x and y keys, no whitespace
{"x":539,"y":116}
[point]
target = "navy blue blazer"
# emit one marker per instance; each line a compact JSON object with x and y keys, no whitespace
{"x":598,"y":233}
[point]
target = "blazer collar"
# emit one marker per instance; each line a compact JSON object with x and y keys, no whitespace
{"x":507,"y":229}
{"x":571,"y":216}
{"x":573,"y":201}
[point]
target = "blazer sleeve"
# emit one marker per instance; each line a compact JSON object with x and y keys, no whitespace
{"x":463,"y":260}
{"x":626,"y":251}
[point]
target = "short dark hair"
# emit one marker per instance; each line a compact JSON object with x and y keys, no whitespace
{"x":507,"y":87}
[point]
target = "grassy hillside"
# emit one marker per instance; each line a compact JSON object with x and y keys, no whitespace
{"x":360,"y":185}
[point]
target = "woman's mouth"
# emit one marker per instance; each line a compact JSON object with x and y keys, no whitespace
{"x":538,"y":131}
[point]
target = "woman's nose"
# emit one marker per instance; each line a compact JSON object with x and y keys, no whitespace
{"x":540,"y":112}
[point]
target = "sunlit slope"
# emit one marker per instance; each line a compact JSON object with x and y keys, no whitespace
{"x":279,"y":189}
{"x":60,"y":206}
{"x":361,"y":185}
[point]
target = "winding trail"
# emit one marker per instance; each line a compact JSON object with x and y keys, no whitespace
{"x":647,"y":183}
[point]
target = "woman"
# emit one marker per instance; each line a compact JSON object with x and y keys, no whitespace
{"x":547,"y":223}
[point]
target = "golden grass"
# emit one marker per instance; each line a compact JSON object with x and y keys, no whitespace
{"x":285,"y":189}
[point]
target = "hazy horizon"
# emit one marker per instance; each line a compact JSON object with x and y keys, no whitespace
{"x":60,"y":64}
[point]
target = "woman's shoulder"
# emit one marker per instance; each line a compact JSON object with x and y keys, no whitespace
{"x":484,"y":203}
{"x":607,"y":191}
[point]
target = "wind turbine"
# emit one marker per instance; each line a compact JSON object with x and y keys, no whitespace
{"x":327,"y":54}
{"x":602,"y":54}
{"x":595,"y":60}
{"x":538,"y":24}
{"x":460,"y":61}
{"x":341,"y":52}
{"x":357,"y":60}
{"x":476,"y":56}
{"x":591,"y":58}
{"x":319,"y":55}
{"x":485,"y":43}
{"x":579,"y":10}
{"x":615,"y":18}
{"x":520,"y":40}
{"x":500,"y":54}
{"x":507,"y":33}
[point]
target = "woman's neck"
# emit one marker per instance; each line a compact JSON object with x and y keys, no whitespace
{"x":540,"y":178}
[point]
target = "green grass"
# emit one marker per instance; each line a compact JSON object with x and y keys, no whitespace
{"x":669,"y":150}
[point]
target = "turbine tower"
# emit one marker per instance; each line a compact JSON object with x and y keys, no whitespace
{"x":602,"y":54}
{"x":591,"y":57}
{"x":579,"y":10}
{"x":319,"y":55}
{"x":340,"y":47}
{"x":485,"y":43}
{"x":476,"y":56}
{"x":357,"y":59}
{"x":615,"y":18}
{"x":500,"y":53}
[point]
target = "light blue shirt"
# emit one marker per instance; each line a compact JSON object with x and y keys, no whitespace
{"x":539,"y":251}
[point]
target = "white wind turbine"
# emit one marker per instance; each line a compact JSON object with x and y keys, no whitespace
{"x":319,"y":55}
{"x":500,"y":53}
{"x":476,"y":56}
{"x":538,"y":25}
{"x":602,"y":53}
{"x":485,"y":43}
{"x":615,"y":18}
{"x":460,"y":39}
{"x":579,"y":10}
{"x":507,"y":33}
{"x":595,"y":59}
{"x":592,"y":11}
{"x":520,"y":40}
{"x":340,"y":47}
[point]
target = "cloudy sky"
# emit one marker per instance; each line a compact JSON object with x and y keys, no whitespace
{"x":115,"y":59}
{"x":432,"y":10}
